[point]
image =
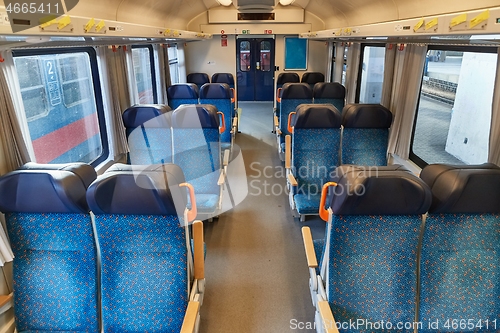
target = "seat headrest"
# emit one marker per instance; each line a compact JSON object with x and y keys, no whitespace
{"x":42,"y":191}
{"x":287,"y":78}
{"x":141,"y":190}
{"x":317,"y":116}
{"x":155,"y":115}
{"x":463,"y":189}
{"x":312,"y":77}
{"x":296,"y":91}
{"x":195,"y":116}
{"x":198,"y":78}
{"x":85,"y":171}
{"x":183,"y":90}
{"x":223,"y":78}
{"x":366,"y":116}
{"x":215,"y":90}
{"x":329,"y":90}
{"x":391,"y":190}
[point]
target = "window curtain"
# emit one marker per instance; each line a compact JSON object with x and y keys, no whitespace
{"x":182,"y":63}
{"x":13,"y":145}
{"x":114,"y":80}
{"x":161,"y":87}
{"x":339,"y":62}
{"x":405,"y":93}
{"x":494,"y":149}
{"x":352,"y":70}
{"x":389,"y":63}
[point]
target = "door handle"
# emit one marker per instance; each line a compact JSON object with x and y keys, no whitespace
{"x":257,"y":65}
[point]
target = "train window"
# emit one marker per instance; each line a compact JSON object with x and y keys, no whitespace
{"x":454,"y":112}
{"x":173,"y":63}
{"x":244,"y":56}
{"x":63,"y":111}
{"x":143,"y":59}
{"x":371,"y":73}
{"x":265,"y":59}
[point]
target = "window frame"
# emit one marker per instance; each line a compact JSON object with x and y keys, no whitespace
{"x":97,"y":89}
{"x":443,"y":47}
{"x":153,"y":69}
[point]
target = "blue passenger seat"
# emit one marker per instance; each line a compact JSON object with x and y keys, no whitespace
{"x":55,"y":266}
{"x":182,"y":93}
{"x":228,"y":79}
{"x":329,"y":92}
{"x":198,"y":78}
{"x":149,"y":137}
{"x":365,"y":136}
{"x":280,"y":81}
{"x":311,"y":78}
{"x":368,"y":270}
{"x":292,"y":95}
{"x":219,"y":95}
{"x":145,"y":258}
{"x":460,"y":263}
{"x":315,"y":147}
{"x":197,"y":150}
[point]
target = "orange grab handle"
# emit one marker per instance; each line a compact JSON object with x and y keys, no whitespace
{"x":290,"y":127}
{"x":223,"y":121}
{"x":233,"y":98}
{"x":191,"y":215}
{"x":323,"y":213}
{"x":278,"y":94}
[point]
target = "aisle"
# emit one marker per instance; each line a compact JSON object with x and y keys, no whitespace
{"x":257,"y":278}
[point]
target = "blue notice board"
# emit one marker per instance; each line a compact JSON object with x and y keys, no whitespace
{"x":295,"y":53}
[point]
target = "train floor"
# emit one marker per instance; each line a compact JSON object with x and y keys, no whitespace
{"x":256,"y":271}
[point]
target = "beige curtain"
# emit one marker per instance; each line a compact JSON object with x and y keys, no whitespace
{"x":409,"y":66}
{"x":352,"y":70}
{"x":160,"y":52}
{"x":13,"y":146}
{"x":389,"y":64}
{"x":494,"y":149}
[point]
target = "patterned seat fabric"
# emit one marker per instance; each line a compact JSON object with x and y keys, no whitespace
{"x":144,"y":282}
{"x":182,"y":93}
{"x":228,"y":79}
{"x":372,"y":255}
{"x":311,"y":78}
{"x":329,"y":92}
{"x":315,"y":152}
{"x":292,"y":95}
{"x":197,"y":151}
{"x":366,"y":134}
{"x":285,"y":78}
{"x":219,"y":95}
{"x":198,"y":78}
{"x":51,"y":234}
{"x":148,"y":134}
{"x":461,"y":248}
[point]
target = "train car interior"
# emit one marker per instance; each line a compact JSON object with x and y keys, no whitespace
{"x":253,"y":166}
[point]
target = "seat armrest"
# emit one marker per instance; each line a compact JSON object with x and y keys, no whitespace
{"x":329,"y":324}
{"x":312,"y":262}
{"x":190,"y":318}
{"x":199,"y":255}
{"x":292,"y":180}
{"x":288,"y":152}
{"x":225,"y":159}
{"x":276,"y":122}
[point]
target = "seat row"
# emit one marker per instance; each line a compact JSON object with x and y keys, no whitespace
{"x":321,"y":139}
{"x":311,"y":78}
{"x":131,"y":270}
{"x":408,"y":254}
{"x":190,"y":137}
{"x":201,"y":78}
{"x":292,"y":95}
{"x":218,"y":94}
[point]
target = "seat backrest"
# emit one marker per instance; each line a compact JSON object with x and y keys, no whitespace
{"x":227,"y":78}
{"x":149,"y":135}
{"x":198,"y":78}
{"x":287,"y":78}
{"x":329,"y":92}
{"x":315,"y":145}
{"x":85,"y":171}
{"x":373,"y":240}
{"x":197,"y":149}
{"x":182,"y":93}
{"x":311,"y":78}
{"x":366,"y":134}
{"x":55,"y":256}
{"x":292,"y":95}
{"x":461,"y":246}
{"x":219,"y":95}
{"x":143,"y":248}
